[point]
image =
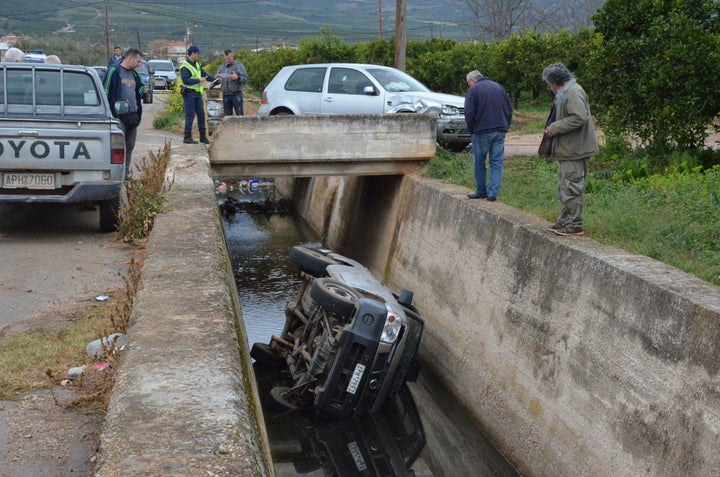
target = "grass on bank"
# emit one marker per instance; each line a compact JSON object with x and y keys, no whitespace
{"x":31,"y":361}
{"x":666,"y":210}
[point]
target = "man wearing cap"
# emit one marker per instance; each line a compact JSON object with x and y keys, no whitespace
{"x":191,"y":76}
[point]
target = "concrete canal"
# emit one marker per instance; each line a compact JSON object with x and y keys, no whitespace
{"x":425,"y":431}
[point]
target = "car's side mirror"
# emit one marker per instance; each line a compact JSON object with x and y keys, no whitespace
{"x":121,"y":106}
{"x":369,"y":90}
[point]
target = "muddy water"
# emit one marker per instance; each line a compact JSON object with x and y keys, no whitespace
{"x":424,"y":429}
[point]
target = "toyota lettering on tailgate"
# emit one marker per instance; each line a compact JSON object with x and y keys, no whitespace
{"x":59,"y":149}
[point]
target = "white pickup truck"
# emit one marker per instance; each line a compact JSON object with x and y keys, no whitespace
{"x":59,"y":141}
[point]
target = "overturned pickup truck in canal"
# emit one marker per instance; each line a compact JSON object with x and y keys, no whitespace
{"x":348,"y":342}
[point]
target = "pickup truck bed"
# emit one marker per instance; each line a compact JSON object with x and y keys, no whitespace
{"x":59,"y":141}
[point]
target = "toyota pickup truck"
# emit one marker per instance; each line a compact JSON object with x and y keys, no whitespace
{"x":59,"y":141}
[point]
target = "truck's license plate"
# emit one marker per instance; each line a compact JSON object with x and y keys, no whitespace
{"x":16,"y":180}
{"x":355,"y":378}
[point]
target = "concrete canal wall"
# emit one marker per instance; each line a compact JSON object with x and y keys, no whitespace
{"x":185,"y":402}
{"x":577,"y":358}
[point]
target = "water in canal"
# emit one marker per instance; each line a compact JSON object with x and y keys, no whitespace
{"x":420,"y":433}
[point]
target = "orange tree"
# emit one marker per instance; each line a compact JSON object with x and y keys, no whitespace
{"x":655,"y":77}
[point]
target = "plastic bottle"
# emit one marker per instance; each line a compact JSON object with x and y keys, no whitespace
{"x":115,"y":341}
{"x":76,"y":371}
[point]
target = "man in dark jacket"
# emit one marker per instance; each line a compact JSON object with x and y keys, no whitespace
{"x":123,"y":82}
{"x":192,"y":76}
{"x":488,"y":113}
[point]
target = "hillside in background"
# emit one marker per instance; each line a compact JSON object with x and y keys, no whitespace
{"x":219,"y":24}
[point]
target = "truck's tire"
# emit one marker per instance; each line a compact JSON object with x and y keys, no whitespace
{"x":109,"y":214}
{"x":264,"y":355}
{"x":334,"y":297}
{"x":310,"y":260}
{"x":278,"y":399}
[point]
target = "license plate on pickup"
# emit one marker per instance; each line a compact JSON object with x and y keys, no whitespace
{"x":28,"y":180}
{"x":355,"y":378}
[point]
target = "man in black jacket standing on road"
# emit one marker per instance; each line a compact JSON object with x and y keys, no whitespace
{"x":123,"y":82}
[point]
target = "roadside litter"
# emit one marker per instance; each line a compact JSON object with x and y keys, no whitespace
{"x":110,"y":344}
{"x":77,"y":371}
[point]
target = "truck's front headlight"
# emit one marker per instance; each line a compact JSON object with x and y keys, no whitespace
{"x":393,"y":325}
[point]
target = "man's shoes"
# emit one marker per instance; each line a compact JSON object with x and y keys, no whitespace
{"x":555,"y":227}
{"x":204,"y":140}
{"x":189,"y":140}
{"x":569,"y":231}
{"x":492,"y":199}
{"x":477,"y":196}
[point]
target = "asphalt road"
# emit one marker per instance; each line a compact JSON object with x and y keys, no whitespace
{"x":52,"y":255}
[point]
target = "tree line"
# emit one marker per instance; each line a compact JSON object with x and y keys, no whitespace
{"x":650,"y":67}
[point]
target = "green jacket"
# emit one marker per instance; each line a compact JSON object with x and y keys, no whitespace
{"x":573,"y":131}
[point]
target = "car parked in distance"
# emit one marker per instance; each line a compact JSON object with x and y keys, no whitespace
{"x":165,"y":74}
{"x":35,"y":56}
{"x":101,"y":70}
{"x":349,"y":88}
{"x":348,"y":342}
{"x":147,"y":75}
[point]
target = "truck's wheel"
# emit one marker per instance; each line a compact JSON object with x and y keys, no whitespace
{"x":264,"y":355}
{"x":334,"y":297}
{"x":310,"y":261}
{"x":109,"y":214}
{"x":281,"y":399}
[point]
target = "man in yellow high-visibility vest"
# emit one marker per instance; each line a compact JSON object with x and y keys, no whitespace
{"x":192,"y":76}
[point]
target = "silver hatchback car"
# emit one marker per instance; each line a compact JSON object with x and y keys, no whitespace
{"x":349,"y":88}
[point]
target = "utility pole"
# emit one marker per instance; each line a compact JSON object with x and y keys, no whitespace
{"x":400,"y":35}
{"x":380,"y":19}
{"x":107,"y":31}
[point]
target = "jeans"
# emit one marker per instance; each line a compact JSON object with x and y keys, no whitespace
{"x":193,"y":103}
{"x":233,"y":101}
{"x":490,"y":145}
{"x":130,"y":137}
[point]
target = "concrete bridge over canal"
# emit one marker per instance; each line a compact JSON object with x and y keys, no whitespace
{"x":311,"y":146}
{"x":577,"y":358}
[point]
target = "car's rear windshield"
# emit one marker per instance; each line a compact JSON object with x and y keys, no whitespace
{"x":47,"y":91}
{"x":396,"y":81}
{"x":162,"y":65}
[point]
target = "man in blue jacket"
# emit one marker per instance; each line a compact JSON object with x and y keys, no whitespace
{"x":488,"y":113}
{"x":123,"y":82}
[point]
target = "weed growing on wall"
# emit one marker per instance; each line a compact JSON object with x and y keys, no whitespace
{"x":145,"y":198}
